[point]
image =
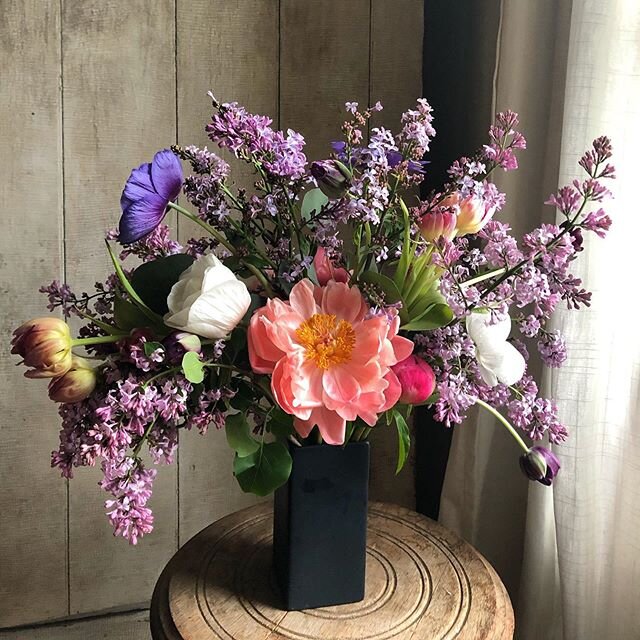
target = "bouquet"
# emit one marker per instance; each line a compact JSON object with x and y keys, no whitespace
{"x":318,"y":306}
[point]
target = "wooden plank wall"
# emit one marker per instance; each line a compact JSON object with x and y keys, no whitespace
{"x":90,"y":89}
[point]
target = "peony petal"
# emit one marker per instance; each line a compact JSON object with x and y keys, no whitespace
{"x":166,"y":174}
{"x":340,"y":385}
{"x":402,"y":348}
{"x":392,"y":393}
{"x":344,"y":302}
{"x":301,"y":299}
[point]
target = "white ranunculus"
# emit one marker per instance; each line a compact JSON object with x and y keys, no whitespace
{"x":498,"y":360}
{"x":207,"y":300}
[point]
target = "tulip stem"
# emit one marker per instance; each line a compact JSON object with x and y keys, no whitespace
{"x":79,"y":342}
{"x":207,"y":227}
{"x":505,"y":422}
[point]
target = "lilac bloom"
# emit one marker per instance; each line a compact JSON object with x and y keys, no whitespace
{"x":146,"y":195}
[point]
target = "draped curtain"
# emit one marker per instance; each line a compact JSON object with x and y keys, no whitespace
{"x":570,"y":555}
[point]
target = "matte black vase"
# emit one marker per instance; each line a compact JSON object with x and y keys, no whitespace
{"x":320,"y":526}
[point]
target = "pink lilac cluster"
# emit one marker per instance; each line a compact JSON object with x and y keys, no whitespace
{"x":533,"y":276}
{"x":136,"y":404}
{"x":156,"y":244}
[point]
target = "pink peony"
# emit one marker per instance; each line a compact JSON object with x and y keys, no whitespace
{"x":417,"y":379}
{"x":329,"y":362}
{"x":325,"y":270}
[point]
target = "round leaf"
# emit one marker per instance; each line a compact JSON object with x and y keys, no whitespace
{"x":265,"y":470}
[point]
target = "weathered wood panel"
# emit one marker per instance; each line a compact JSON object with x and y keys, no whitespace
{"x":33,"y":503}
{"x":396,"y":81}
{"x":118,"y":67}
{"x":324,"y":62}
{"x":119,"y":108}
{"x":231,"y":48}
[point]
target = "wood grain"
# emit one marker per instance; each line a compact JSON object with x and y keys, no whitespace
{"x":396,"y":81}
{"x":324,"y":62}
{"x":119,"y":108}
{"x":231,"y":48}
{"x":33,"y":504}
{"x":422,"y":582}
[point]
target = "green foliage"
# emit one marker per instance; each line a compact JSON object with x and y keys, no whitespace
{"x":150,"y":347}
{"x":404,"y":439}
{"x":128,"y":316}
{"x":153,"y":280}
{"x":239,"y":435}
{"x":313,"y":201}
{"x":436,"y":315}
{"x":280,"y":424}
{"x":263,"y":471}
{"x":193,"y":367}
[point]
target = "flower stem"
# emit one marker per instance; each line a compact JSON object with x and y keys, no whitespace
{"x":505,"y":422}
{"x":483,"y":276}
{"x":78,"y":342}
{"x":207,"y":227}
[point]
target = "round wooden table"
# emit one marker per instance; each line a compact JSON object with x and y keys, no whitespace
{"x":423,"y":583}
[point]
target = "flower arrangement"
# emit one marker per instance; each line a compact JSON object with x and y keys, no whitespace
{"x":319,"y":306}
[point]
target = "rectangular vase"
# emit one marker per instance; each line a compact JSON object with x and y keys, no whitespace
{"x":320,"y":526}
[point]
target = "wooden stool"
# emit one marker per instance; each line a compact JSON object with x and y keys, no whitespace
{"x":423,"y":583}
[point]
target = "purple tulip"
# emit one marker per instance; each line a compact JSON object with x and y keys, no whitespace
{"x":146,"y":195}
{"x":540,"y":464}
{"x":332,"y":177}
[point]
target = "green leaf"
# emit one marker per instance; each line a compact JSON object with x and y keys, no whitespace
{"x":404,"y":440}
{"x":314,"y":200}
{"x":436,"y":316}
{"x":150,"y":347}
{"x":154,"y":317}
{"x":192,"y":367}
{"x":239,"y":435}
{"x":403,"y":264}
{"x":153,"y":280}
{"x":244,"y":396}
{"x":382,"y":282}
{"x":265,"y":470}
{"x":280,"y":424}
{"x":128,"y":316}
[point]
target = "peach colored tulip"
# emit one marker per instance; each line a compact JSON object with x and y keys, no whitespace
{"x":76,"y":384}
{"x":472,"y":213}
{"x":438,"y":224}
{"x":330,"y":363}
{"x":45,"y":345}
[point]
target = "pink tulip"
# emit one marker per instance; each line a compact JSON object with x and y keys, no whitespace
{"x":329,"y":362}
{"x":45,"y":345}
{"x":472,"y":213}
{"x":438,"y":224}
{"x":76,"y":384}
{"x":417,"y":379}
{"x":325,"y":270}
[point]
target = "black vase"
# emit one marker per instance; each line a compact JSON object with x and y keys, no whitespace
{"x":320,"y":526}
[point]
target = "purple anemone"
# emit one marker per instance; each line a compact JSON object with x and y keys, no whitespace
{"x":146,"y":195}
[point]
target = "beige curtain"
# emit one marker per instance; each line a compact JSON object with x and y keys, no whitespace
{"x":569,"y":555}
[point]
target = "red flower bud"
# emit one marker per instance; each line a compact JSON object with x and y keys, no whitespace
{"x":417,"y":379}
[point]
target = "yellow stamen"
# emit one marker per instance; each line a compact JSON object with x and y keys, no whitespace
{"x":327,"y":341}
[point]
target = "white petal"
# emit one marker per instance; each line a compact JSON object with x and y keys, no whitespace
{"x":487,"y":337}
{"x":512,"y":365}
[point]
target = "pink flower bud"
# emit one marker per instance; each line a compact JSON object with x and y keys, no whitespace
{"x":45,"y":345}
{"x":76,"y":384}
{"x":438,"y":224}
{"x":325,"y":270}
{"x":417,"y":379}
{"x":473,"y":214}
